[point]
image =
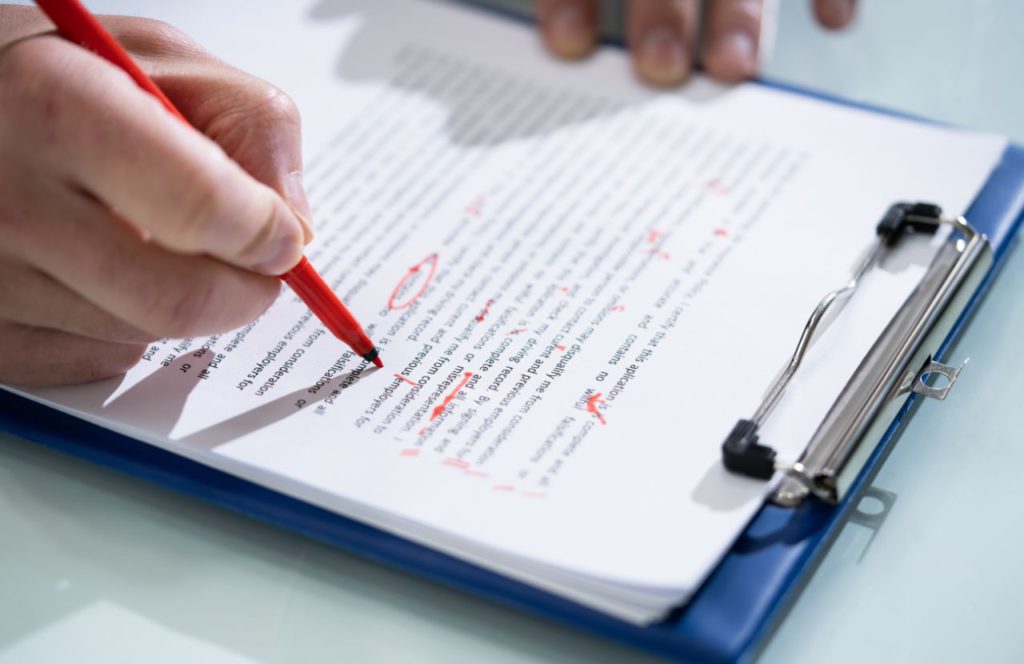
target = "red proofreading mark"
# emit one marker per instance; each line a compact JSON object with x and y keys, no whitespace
{"x":504,"y":487}
{"x":560,"y":346}
{"x":475,"y":473}
{"x":617,"y":307}
{"x":653,"y":236}
{"x":564,"y":289}
{"x":408,"y":281}
{"x":483,"y":314}
{"x":592,"y":407}
{"x":450,"y":397}
{"x":456,"y":463}
{"x":718,"y":187}
{"x":475,"y":206}
{"x":406,"y":379}
{"x":409,"y":453}
{"x":721,"y":232}
{"x":518,"y":330}
{"x":663,"y":255}
{"x":423,"y":431}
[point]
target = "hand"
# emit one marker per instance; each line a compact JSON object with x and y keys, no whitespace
{"x":662,"y":34}
{"x":120,"y":225}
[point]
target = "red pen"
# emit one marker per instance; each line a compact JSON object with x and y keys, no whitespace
{"x":76,"y":24}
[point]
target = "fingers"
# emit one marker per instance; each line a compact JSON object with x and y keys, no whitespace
{"x":36,"y":356}
{"x":116,"y":142}
{"x":162,"y":293}
{"x":34,"y":299}
{"x":834,"y":14}
{"x":119,"y":223}
{"x":255,"y":123}
{"x":662,"y":36}
{"x":733,"y":29}
{"x":568,"y":27}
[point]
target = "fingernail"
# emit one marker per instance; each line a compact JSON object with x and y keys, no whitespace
{"x":285,"y":249}
{"x":734,"y":53}
{"x":662,"y":57}
{"x":300,"y":204}
{"x":838,"y":12}
{"x":569,"y":33}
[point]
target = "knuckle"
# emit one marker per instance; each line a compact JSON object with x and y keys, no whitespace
{"x":262,"y":107}
{"x":154,"y":38}
{"x":159,"y":32}
{"x":34,"y":75}
{"x":278,"y":107}
{"x":47,"y":87}
{"x":257,"y":105}
{"x":27,"y":68}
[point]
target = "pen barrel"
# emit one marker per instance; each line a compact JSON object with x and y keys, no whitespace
{"x":76,"y":24}
{"x":321,"y":300}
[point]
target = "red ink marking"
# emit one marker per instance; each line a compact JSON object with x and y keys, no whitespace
{"x":518,"y":330}
{"x":663,"y":255}
{"x":564,"y":289}
{"x":618,"y":307}
{"x":721,"y":232}
{"x":592,"y":407}
{"x":409,"y":453}
{"x":483,"y":314}
{"x":504,"y":487}
{"x":474,"y":207}
{"x":718,"y":187}
{"x":423,"y":431}
{"x":456,"y":463}
{"x":654,"y":236}
{"x":430,"y":261}
{"x":405,"y":378}
{"x":475,"y":473}
{"x":534,"y":494}
{"x":450,"y":397}
{"x":561,"y":346}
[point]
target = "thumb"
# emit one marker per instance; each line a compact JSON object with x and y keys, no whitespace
{"x":114,"y":141}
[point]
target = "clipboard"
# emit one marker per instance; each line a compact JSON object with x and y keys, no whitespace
{"x":729,"y":618}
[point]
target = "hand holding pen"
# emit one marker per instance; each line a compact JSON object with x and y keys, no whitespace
{"x":121,"y":224}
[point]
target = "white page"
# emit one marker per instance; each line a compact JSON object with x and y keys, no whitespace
{"x":660,"y":250}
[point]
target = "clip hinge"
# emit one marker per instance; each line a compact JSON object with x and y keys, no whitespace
{"x":934,"y":380}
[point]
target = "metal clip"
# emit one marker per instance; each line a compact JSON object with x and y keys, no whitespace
{"x":899,"y":362}
{"x":919,"y":382}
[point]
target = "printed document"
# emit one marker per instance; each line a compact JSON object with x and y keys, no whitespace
{"x":578,"y":285}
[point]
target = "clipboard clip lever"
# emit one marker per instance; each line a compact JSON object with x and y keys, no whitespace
{"x":921,"y":382}
{"x":899,"y":363}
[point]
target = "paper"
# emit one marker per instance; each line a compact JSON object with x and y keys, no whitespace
{"x":578,"y":286}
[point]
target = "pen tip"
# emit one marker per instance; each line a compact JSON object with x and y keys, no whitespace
{"x":374,"y":356}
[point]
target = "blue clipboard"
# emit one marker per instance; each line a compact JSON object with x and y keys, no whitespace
{"x":729,"y":617}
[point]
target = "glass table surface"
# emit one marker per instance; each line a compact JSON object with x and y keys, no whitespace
{"x":97,"y":566}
